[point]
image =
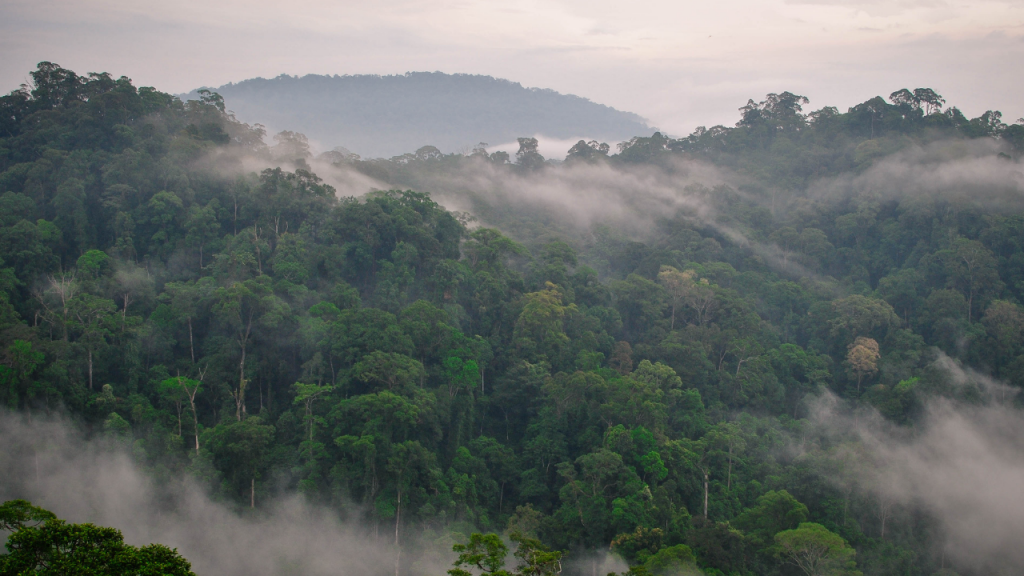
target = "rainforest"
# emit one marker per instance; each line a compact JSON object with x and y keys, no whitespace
{"x":793,"y":346}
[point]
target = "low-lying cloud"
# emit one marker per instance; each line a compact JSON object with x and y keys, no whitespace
{"x":961,"y":170}
{"x":962,"y":464}
{"x":47,"y":462}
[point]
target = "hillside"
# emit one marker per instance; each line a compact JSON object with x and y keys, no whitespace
{"x":722,"y":352}
{"x":383,"y":116}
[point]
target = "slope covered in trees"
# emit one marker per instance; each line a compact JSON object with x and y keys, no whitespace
{"x":388,"y":115}
{"x":578,"y":386}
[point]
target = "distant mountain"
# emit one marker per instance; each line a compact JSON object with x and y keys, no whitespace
{"x":383,"y":116}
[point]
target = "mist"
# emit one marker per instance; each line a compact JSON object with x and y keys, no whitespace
{"x":50,"y":463}
{"x":962,"y":464}
{"x":970,"y":171}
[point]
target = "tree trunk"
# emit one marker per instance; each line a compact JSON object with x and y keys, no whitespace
{"x":90,"y":368}
{"x":728,"y":478}
{"x":240,"y":397}
{"x":259,"y":256}
{"x":846,"y":506}
{"x":883,"y":513}
{"x":191,"y":345}
{"x":398,"y":546}
{"x":195,"y":417}
{"x":309,"y":414}
{"x":705,"y":494}
{"x":252,"y":493}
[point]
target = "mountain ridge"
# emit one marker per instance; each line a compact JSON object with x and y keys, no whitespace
{"x":386,"y":115}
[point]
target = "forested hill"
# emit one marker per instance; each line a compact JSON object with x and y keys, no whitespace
{"x":383,"y":116}
{"x":648,"y":351}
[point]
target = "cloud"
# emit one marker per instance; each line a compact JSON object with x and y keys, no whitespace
{"x":47,"y":461}
{"x":969,"y":171}
{"x":962,"y":463}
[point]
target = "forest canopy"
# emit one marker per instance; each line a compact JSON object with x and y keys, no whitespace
{"x":503,"y":369}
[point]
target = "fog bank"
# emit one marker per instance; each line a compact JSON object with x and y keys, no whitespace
{"x":50,"y":464}
{"x":962,"y":464}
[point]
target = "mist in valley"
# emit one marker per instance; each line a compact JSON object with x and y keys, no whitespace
{"x":792,"y":346}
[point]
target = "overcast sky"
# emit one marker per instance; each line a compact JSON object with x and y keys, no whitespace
{"x":678,"y":63}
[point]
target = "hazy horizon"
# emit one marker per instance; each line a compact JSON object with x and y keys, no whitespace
{"x":679,"y":65}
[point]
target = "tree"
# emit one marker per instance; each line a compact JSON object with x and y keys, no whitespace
{"x":202,"y":228}
{"x":675,"y":560}
{"x":727,"y":437}
{"x":486,"y":553}
{"x":91,"y":319}
{"x":816,"y":551}
{"x":675,"y":283}
{"x":587,"y":151}
{"x":697,"y":454}
{"x":541,"y":322}
{"x":44,"y":545}
{"x":16,"y":514}
{"x":243,"y":307}
{"x":459,"y":374}
{"x":858,"y":315}
{"x":55,"y":299}
{"x":863,"y":358}
{"x":932,"y":101}
{"x":241,"y":447}
{"x":905,"y":99}
{"x":528,"y":157}
{"x":306,"y":394}
{"x":774,"y":513}
{"x":404,"y":459}
{"x":638,"y":546}
{"x":190,"y":388}
{"x":131,"y":283}
{"x":184,"y":299}
{"x":535,"y":559}
{"x":396,"y":372}
{"x":973,"y":270}
{"x":621,"y":359}
{"x":684,"y":288}
{"x":20,"y":361}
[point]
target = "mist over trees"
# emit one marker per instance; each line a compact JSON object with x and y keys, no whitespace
{"x":382,"y":116}
{"x":648,"y":381}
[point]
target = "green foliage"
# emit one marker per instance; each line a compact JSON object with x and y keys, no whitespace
{"x":570,"y":383}
{"x":816,"y":551}
{"x":52,"y":546}
{"x":675,"y":560}
{"x":15,"y":514}
{"x":486,"y":553}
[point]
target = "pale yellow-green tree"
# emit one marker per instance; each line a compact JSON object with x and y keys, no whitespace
{"x":684,"y":288}
{"x":816,"y":551}
{"x":863,"y":358}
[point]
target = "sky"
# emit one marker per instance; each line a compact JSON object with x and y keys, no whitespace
{"x":677,"y":63}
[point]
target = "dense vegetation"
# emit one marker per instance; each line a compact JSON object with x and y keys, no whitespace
{"x":393,"y":361}
{"x":42,"y":544}
{"x":387,"y":115}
